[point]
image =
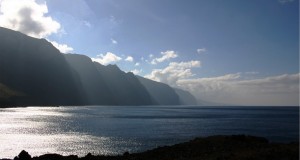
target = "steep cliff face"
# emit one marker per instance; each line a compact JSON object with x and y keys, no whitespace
{"x":108,"y":85}
{"x":125,"y":87}
{"x":161,"y":93}
{"x":37,"y":69}
{"x":34,"y":72}
{"x":185,"y":97}
{"x":95,"y":89}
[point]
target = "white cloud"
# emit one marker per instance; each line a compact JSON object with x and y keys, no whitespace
{"x":151,"y":55}
{"x":61,"y":32}
{"x":88,"y":24}
{"x":233,"y":89}
{"x":137,"y":64}
{"x":208,"y":85}
{"x":107,"y":58}
{"x":28,"y":17}
{"x":280,"y":84}
{"x":63,"y":48}
{"x":136,"y":71}
{"x":113,"y":41}
{"x":201,"y":50}
{"x":129,"y":59}
{"x":173,"y":72}
{"x":165,"y":56}
{"x":237,"y":88}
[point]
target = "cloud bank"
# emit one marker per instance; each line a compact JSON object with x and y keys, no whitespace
{"x":235,"y":88}
{"x":173,"y":72}
{"x":28,"y":17}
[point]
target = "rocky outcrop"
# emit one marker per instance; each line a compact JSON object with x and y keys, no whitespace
{"x":236,"y":147}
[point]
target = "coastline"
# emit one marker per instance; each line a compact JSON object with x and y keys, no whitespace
{"x":234,"y":147}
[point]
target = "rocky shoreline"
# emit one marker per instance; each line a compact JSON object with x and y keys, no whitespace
{"x":235,"y":147}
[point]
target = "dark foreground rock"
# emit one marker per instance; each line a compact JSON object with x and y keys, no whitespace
{"x":236,"y":147}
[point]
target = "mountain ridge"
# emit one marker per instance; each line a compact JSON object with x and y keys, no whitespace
{"x":34,"y":72}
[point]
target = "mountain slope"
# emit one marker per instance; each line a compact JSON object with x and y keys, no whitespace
{"x":34,"y":72}
{"x":37,"y":69}
{"x":185,"y":97}
{"x":94,"y":87}
{"x":125,"y":87}
{"x":161,"y":93}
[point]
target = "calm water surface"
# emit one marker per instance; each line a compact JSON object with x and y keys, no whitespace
{"x":114,"y":130}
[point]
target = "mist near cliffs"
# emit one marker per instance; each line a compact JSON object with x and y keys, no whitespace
{"x":34,"y":72}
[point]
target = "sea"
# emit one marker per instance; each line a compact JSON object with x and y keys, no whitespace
{"x":112,"y":130}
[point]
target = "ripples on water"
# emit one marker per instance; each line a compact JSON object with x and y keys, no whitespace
{"x":114,"y":130}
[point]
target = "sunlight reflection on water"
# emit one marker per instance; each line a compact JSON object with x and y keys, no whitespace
{"x":64,"y":144}
{"x":116,"y":129}
{"x":34,"y":129}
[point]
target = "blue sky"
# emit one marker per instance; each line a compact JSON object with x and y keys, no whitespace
{"x":239,"y":36}
{"x":219,"y":47}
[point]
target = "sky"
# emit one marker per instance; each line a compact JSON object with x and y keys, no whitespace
{"x":228,"y":52}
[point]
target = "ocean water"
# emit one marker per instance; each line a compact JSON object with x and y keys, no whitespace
{"x":113,"y":130}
